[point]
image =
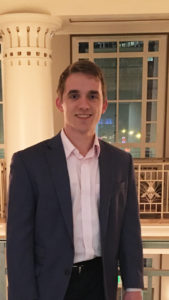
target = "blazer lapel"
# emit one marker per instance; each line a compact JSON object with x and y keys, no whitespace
{"x":106,"y":187}
{"x":58,"y":166}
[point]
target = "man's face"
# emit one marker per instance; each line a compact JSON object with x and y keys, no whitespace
{"x":82,"y":104}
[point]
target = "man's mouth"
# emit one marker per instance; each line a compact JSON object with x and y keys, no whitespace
{"x":83,"y":116}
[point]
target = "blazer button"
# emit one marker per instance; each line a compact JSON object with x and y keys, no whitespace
{"x":67,"y":272}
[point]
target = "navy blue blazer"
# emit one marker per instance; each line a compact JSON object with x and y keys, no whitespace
{"x":40,"y":248}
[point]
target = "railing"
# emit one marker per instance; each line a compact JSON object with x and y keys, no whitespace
{"x":152,"y":181}
{"x":151,"y":290}
{"x":2,"y":189}
{"x":150,"y":273}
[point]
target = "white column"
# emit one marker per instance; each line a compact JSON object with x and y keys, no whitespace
{"x":27,"y":87}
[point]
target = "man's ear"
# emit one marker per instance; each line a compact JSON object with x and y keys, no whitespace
{"x":59,"y":104}
{"x":105,"y":104}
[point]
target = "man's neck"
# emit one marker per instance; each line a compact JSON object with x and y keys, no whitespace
{"x":82,"y":142}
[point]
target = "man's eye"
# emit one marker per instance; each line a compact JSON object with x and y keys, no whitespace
{"x":93,"y":96}
{"x":74,"y":96}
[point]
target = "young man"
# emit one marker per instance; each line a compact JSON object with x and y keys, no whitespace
{"x":73,"y":211}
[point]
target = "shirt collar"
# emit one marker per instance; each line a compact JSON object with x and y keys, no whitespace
{"x":69,"y":148}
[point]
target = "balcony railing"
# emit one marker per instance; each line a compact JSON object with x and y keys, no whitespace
{"x":2,"y":189}
{"x":152,"y":180}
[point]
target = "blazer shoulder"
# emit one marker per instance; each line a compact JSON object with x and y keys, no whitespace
{"x":39,"y":148}
{"x":112,"y":150}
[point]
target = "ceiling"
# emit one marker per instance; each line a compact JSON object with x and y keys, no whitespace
{"x":112,"y":9}
{"x":83,"y":16}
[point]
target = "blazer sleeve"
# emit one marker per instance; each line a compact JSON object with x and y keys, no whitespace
{"x":20,"y":233}
{"x":131,"y":258}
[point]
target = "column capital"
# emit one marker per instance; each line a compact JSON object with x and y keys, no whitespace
{"x":30,"y":18}
{"x":27,"y":35}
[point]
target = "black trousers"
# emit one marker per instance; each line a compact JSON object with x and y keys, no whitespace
{"x":86,"y":282}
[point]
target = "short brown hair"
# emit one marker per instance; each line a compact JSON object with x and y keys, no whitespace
{"x":82,"y":66}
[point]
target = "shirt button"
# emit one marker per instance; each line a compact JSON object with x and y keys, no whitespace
{"x":67,"y":272}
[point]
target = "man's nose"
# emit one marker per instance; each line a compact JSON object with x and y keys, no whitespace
{"x":83,"y":103}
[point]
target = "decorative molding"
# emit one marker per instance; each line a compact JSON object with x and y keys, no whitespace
{"x":28,"y":36}
{"x":152,"y":180}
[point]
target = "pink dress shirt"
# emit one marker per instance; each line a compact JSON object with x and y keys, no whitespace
{"x":85,"y":192}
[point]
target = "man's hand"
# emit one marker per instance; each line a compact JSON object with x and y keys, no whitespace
{"x":137,"y":295}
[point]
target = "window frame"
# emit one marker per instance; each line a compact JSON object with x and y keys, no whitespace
{"x":159,"y":145}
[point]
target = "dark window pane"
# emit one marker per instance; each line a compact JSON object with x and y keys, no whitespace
{"x":130,"y":78}
{"x":1,"y":126}
{"x":83,"y":47}
{"x":129,"y":123}
{"x":148,"y":262}
{"x":105,"y":47}
{"x":150,"y":152}
{"x":83,"y":59}
{"x":153,"y":45}
{"x":151,"y":111}
{"x":151,"y":133}
{"x":152,"y":89}
{"x":0,"y":82}
{"x":2,"y":153}
{"x":109,"y":68}
{"x":106,"y":128}
{"x":131,"y":46}
{"x":152,"y":66}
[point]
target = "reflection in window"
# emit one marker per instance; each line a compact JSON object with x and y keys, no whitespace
{"x":109,"y":68}
{"x":151,"y":133}
{"x":151,"y":111}
{"x":83,"y":47}
{"x":1,"y":126}
{"x":135,"y":152}
{"x":130,"y":75}
{"x":152,"y":66}
{"x":152,"y":89}
{"x":129,"y":123}
{"x":131,"y":46}
{"x":150,"y":152}
{"x":106,"y":128}
{"x":153,"y":45}
{"x":105,"y":47}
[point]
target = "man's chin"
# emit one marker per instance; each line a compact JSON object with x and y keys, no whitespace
{"x":85,"y":131}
